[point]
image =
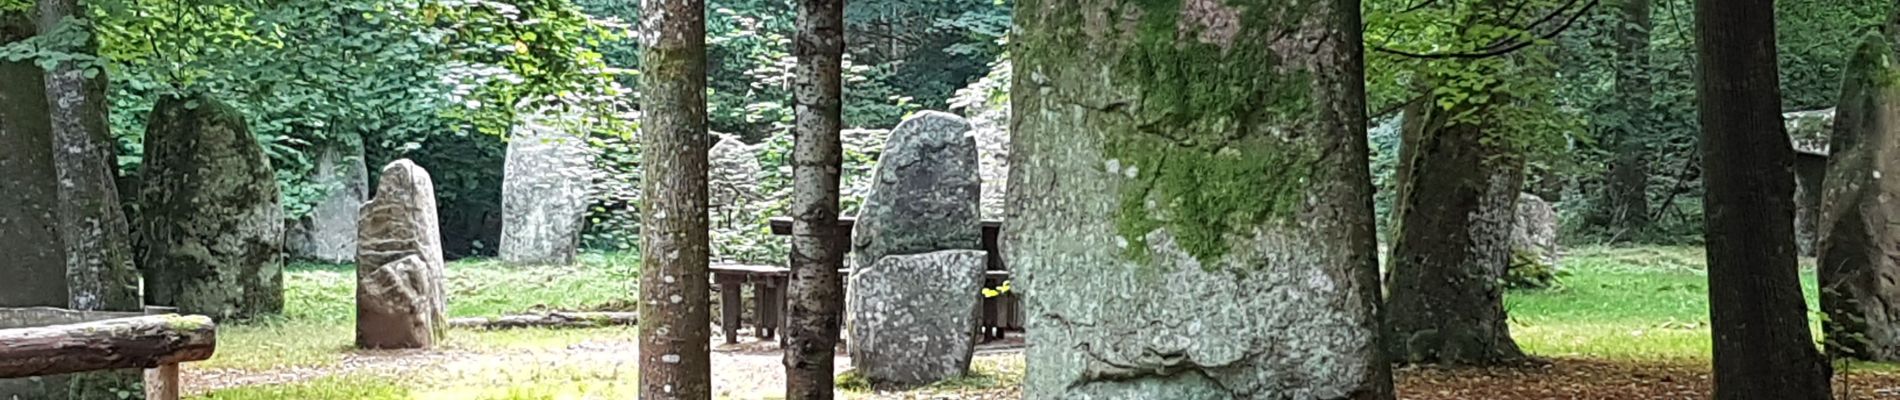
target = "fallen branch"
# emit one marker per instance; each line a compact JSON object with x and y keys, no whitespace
{"x":136,"y":342}
{"x":549,"y":320}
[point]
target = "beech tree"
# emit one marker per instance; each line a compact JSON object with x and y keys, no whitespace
{"x":816,"y":291}
{"x":1763,"y":349}
{"x":675,"y":307}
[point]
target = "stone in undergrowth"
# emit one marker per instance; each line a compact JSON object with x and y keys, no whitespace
{"x":913,"y":317}
{"x":328,"y":234}
{"x":927,"y":194}
{"x":544,"y":193}
{"x":399,"y":290}
{"x":734,"y":202}
{"x":210,"y":228}
{"x":1810,"y":132}
{"x":1536,"y":254}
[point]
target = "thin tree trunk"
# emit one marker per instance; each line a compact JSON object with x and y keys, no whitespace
{"x":99,"y":270}
{"x":816,"y":298}
{"x":1445,"y":302}
{"x":675,"y":326}
{"x":1190,"y":211}
{"x":1628,"y":194}
{"x":1763,"y":349}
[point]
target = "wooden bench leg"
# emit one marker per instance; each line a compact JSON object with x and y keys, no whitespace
{"x":162,"y":383}
{"x":763,"y":321}
{"x":730,"y":305}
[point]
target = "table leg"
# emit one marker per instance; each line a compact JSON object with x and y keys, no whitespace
{"x":730,"y":305}
{"x":763,"y":322}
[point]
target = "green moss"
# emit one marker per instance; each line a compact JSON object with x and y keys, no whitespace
{"x":1215,"y":139}
{"x":1875,"y":61}
{"x":184,"y":323}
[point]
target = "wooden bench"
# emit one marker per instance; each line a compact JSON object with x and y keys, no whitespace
{"x":44,"y":341}
{"x":768,"y":295}
{"x":1001,"y":314}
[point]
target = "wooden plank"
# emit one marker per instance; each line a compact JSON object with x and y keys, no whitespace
{"x":138,"y":342}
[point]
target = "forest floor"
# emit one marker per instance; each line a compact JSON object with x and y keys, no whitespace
{"x":1625,"y":323}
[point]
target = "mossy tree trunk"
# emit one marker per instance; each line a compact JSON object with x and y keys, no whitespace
{"x":675,"y":326}
{"x":1452,"y":245}
{"x":816,"y":299}
{"x":1190,"y":206}
{"x":92,"y":226}
{"x":1859,"y":248}
{"x":1762,"y":346}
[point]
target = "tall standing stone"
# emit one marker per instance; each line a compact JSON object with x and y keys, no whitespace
{"x":210,"y":226}
{"x":35,"y":266}
{"x":926,"y":194}
{"x":544,"y":192}
{"x":400,"y":300}
{"x":1534,"y":243}
{"x":1809,"y":132}
{"x":1859,"y":251}
{"x":328,"y":234}
{"x":913,"y":316}
{"x":734,"y":201}
{"x":1190,"y":213}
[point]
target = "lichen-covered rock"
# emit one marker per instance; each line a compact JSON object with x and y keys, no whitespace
{"x":328,"y":234}
{"x":399,"y":290}
{"x":1536,"y":254}
{"x":544,"y":193}
{"x":926,"y":194}
{"x":1809,"y":131}
{"x":210,"y":227}
{"x":1859,"y":247}
{"x":35,"y":266}
{"x":913,"y":317}
{"x":986,"y":103}
{"x":738,"y":232}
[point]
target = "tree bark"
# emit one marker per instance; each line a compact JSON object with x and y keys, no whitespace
{"x":1445,"y":301}
{"x":1858,"y":245}
{"x":675,"y":331}
{"x":1190,"y":201}
{"x":92,"y":226}
{"x":1763,"y":349}
{"x":139,"y":342}
{"x":1627,"y":203}
{"x":29,"y":238}
{"x":816,"y":291}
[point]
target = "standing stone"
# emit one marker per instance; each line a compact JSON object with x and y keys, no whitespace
{"x":1534,"y":243}
{"x":1859,"y":249}
{"x":1809,"y":132}
{"x":210,"y":226}
{"x":913,"y":317}
{"x":926,"y":196}
{"x":328,"y":234}
{"x":35,"y":266}
{"x":544,"y":193}
{"x":734,"y":202}
{"x":399,"y":291}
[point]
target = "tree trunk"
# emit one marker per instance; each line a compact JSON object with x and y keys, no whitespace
{"x":29,"y":238}
{"x":139,"y":342}
{"x":674,"y":303}
{"x":1763,"y":349}
{"x":1445,"y":301}
{"x":92,"y":226}
{"x":1191,"y":212}
{"x":1858,"y":247}
{"x":816,"y":291}
{"x":1627,"y":202}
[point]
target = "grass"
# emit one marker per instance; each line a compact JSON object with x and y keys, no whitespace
{"x":1642,"y":304}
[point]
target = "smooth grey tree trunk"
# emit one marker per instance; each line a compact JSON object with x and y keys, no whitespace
{"x":816,"y":291}
{"x":1190,"y":204}
{"x":675,"y":326}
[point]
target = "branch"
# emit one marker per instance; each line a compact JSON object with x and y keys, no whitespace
{"x":1499,"y":49}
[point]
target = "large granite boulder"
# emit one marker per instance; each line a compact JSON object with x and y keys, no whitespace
{"x":210,"y":228}
{"x":328,"y":234}
{"x":1809,"y":131}
{"x":735,"y":204}
{"x":399,"y":290}
{"x":926,"y":194}
{"x":913,"y":317}
{"x":544,"y":193}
